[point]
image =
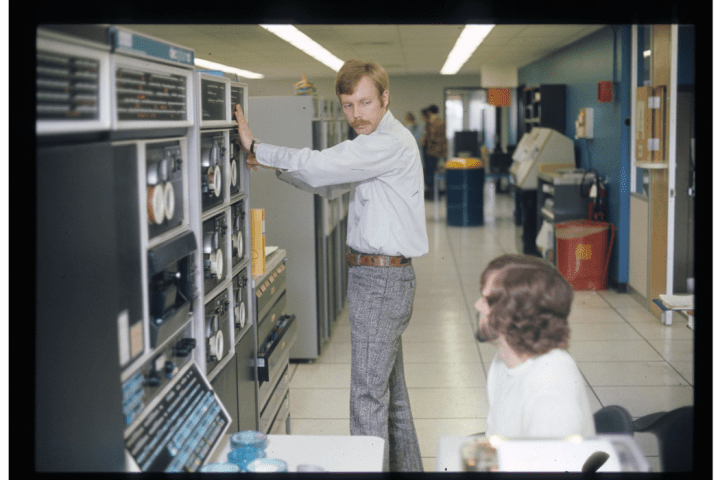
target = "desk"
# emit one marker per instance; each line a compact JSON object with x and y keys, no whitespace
{"x":334,"y":453}
{"x":516,"y":455}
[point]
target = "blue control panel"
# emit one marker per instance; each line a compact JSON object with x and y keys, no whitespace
{"x":183,"y":427}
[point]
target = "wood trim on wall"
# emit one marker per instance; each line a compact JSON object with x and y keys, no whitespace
{"x":659,"y":178}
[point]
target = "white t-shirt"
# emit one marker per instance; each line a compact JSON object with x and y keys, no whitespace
{"x":543,"y":397}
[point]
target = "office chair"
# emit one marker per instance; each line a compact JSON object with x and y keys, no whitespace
{"x":613,"y":419}
{"x":674,"y":432}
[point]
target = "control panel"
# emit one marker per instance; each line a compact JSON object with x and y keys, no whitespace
{"x":142,"y":387}
{"x":217,"y":330}
{"x":237,"y":164}
{"x":171,"y":287}
{"x":213,"y":150}
{"x":181,"y":427}
{"x":237,"y":223}
{"x":214,"y":243}
{"x":72,"y":87}
{"x":239,"y":301}
{"x":165,"y":167}
{"x":135,"y":147}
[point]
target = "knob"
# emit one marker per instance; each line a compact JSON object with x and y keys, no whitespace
{"x":170,"y":369}
{"x":171,"y":276}
{"x":184,"y":346}
{"x":152,"y":379}
{"x":181,"y":351}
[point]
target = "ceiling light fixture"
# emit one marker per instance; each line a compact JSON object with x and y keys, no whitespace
{"x":468,"y":41}
{"x":301,"y":41}
{"x":224,"y":68}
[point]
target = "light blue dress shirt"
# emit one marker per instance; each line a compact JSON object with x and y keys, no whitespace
{"x":386,"y":214}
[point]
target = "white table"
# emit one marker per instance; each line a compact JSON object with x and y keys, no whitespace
{"x":531,"y":455}
{"x":334,"y":453}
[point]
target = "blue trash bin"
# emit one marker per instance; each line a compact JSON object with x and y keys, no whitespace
{"x":464,"y":183}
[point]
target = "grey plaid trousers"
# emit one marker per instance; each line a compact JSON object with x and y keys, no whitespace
{"x":380,"y":301}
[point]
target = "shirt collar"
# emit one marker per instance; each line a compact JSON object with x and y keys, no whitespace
{"x":385,"y":121}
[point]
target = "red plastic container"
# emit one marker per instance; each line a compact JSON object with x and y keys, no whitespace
{"x":583,"y":253}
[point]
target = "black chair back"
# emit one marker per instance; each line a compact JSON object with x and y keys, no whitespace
{"x":613,"y":419}
{"x":674,"y":431}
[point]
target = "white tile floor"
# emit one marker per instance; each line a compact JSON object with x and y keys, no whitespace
{"x":626,"y":356}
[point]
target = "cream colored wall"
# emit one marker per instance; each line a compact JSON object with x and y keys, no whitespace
{"x":407,"y":92}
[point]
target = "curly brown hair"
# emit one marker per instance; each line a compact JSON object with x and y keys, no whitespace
{"x":529,"y":303}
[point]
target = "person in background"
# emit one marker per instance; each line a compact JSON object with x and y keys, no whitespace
{"x":417,"y":129}
{"x":410,"y":123}
{"x":386,"y":229}
{"x":435,"y":143}
{"x":534,"y":387}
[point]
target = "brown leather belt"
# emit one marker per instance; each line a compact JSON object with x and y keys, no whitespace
{"x":361,"y":259}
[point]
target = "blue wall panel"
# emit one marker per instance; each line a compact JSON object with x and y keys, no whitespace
{"x":601,"y":56}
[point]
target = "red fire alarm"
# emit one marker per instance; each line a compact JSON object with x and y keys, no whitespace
{"x":605,"y":92}
{"x":499,"y":97}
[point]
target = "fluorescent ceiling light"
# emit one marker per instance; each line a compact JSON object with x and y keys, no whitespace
{"x":299,"y":40}
{"x":224,"y":68}
{"x":468,"y":41}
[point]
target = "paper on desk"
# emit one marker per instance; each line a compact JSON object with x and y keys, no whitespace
{"x":678,"y":301}
{"x":270,"y":250}
{"x":554,"y":456}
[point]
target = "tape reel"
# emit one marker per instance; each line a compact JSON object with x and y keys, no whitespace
{"x":215,"y":180}
{"x":234,"y":173}
{"x":169,"y":195}
{"x":215,"y":338}
{"x":216,"y":263}
{"x":238,"y":247}
{"x":241,"y":315}
{"x":216,"y":346}
{"x":156,"y":204}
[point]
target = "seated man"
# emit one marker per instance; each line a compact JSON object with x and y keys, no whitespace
{"x":534,"y":387}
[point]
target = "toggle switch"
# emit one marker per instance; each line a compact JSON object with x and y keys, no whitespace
{"x":170,"y":369}
{"x":152,"y":379}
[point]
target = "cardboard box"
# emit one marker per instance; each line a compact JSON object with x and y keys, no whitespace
{"x":643,"y":124}
{"x":650,"y":124}
{"x":257,"y":240}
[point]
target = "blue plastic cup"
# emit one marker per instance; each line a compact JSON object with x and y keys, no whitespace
{"x":266,"y":465}
{"x":246,"y":446}
{"x":243,"y":456}
{"x":220,"y":468}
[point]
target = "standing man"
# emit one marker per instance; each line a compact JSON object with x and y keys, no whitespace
{"x":435,"y":143}
{"x":386,"y":229}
